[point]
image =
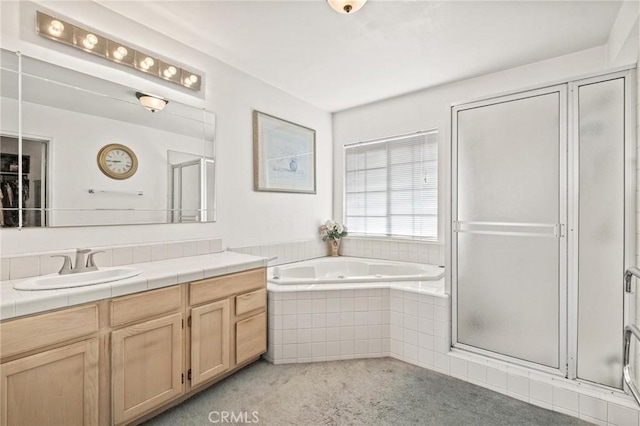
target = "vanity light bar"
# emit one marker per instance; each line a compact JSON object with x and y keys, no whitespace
{"x":89,"y":41}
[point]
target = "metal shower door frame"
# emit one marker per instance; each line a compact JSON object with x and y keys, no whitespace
{"x":630,"y":215}
{"x":560,"y":232}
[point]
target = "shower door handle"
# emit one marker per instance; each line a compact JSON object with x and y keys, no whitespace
{"x":631,"y":272}
{"x":629,"y":331}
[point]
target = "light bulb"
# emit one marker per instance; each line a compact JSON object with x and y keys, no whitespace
{"x":55,"y":28}
{"x":172,"y":70}
{"x":87,"y":43}
{"x":92,"y":39}
{"x":193,"y":79}
{"x":149,"y":61}
{"x":120,"y":53}
{"x":144,"y":65}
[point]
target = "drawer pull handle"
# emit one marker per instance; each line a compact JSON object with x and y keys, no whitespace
{"x":247,"y":296}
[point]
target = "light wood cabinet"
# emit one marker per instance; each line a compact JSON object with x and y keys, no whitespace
{"x":121,"y":361}
{"x":55,"y":387}
{"x":146,"y":366}
{"x":209,"y":341}
{"x":251,"y":337}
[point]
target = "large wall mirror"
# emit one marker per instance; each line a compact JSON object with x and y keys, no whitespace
{"x":76,"y":150}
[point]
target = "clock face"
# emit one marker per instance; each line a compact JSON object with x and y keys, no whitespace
{"x":117,"y":161}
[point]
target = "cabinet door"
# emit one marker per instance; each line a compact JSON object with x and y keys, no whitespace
{"x":209,"y":341}
{"x":146,"y":363}
{"x":251,"y":337}
{"x":56,"y":387}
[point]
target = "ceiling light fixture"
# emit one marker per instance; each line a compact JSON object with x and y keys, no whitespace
{"x":150,"y":102}
{"x":346,"y":6}
{"x":89,"y":41}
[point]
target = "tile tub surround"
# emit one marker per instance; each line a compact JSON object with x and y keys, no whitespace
{"x":34,"y":264}
{"x":328,"y":325}
{"x":372,"y":248}
{"x":155,"y":274}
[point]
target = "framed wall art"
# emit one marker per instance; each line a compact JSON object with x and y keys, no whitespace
{"x":284,"y":155}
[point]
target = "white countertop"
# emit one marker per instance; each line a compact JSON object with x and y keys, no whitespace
{"x":15,"y":303}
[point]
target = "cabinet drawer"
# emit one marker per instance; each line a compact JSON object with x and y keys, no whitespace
{"x":251,"y":301}
{"x":42,"y":330}
{"x":149,"y":304}
{"x":251,"y":337}
{"x":226,"y":286}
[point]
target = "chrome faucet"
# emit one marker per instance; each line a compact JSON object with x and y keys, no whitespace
{"x":80,"y":265}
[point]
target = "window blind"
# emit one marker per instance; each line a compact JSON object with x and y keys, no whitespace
{"x":391,"y":186}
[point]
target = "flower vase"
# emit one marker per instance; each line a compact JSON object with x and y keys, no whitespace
{"x":335,"y":246}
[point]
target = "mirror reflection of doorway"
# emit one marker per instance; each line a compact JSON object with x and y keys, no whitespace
{"x":191,"y":180}
{"x":33,"y":190}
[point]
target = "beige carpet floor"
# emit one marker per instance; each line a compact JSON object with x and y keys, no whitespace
{"x":380,"y":391}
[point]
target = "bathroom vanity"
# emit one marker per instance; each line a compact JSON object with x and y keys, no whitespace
{"x":124,"y":359}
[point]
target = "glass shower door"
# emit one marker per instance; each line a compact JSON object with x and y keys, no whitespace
{"x":509,"y":205}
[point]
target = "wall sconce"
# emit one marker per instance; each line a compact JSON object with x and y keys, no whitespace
{"x":150,"y":102}
{"x":92,"y":42}
{"x":346,"y":6}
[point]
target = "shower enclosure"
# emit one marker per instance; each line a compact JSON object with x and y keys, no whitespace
{"x":543,"y":226}
{"x":191,"y":189}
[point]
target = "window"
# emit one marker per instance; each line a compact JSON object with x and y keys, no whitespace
{"x":391,"y":186}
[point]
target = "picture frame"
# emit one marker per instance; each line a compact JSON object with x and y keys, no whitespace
{"x":284,"y":155}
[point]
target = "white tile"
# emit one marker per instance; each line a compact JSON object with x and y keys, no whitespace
{"x":396,"y":347}
{"x":361,"y":304}
{"x":289,"y":337}
{"x":360,"y":318}
{"x":23,"y":267}
{"x":518,"y":384}
{"x":410,"y":307}
{"x":87,"y":294}
{"x":289,"y":351}
{"x":318,"y":350}
{"x":202,"y":247}
{"x":122,"y":256}
{"x":621,"y":416}
{"x":425,"y":326}
{"x":289,"y":322}
{"x":410,"y":352}
{"x":318,"y":335}
{"x":142,"y":254}
{"x":497,"y":378}
{"x":425,"y":356}
{"x":566,"y":399}
{"x":189,"y":248}
{"x":304,"y":350}
{"x":304,"y":336}
{"x":318,"y":305}
{"x":346,"y":304}
{"x":397,"y":304}
{"x":290,"y":307}
{"x":425,"y":310}
{"x":541,"y":391}
{"x":347,"y":348}
{"x":375,"y":303}
{"x":333,"y":305}
{"x":374,"y":346}
{"x":440,"y":314}
{"x":396,"y":332}
{"x":396,"y":318}
{"x":304,"y":306}
{"x":346,"y":319}
{"x":374,"y":317}
{"x":425,"y":341}
{"x":304,"y":321}
{"x":159,"y":281}
{"x":42,"y":301}
{"x":346,"y":333}
{"x":49,"y":264}
{"x":333,"y":319}
{"x":215,"y":245}
{"x":593,"y":407}
{"x":158,"y":252}
{"x":360,"y":347}
{"x":333,"y":334}
{"x":374,"y":332}
{"x":543,"y":404}
{"x":318,"y":320}
{"x":410,"y":322}
{"x":174,"y":250}
{"x":4,"y":269}
{"x":191,"y":276}
{"x":458,"y":367}
{"x":410,"y":336}
{"x":441,"y":329}
{"x":593,"y":420}
{"x":441,"y":345}
{"x":477,"y":372}
{"x":441,"y":362}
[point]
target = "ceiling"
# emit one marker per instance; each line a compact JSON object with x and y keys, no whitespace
{"x":388,"y":48}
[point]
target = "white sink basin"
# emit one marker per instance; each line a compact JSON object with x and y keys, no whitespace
{"x":55,"y":281}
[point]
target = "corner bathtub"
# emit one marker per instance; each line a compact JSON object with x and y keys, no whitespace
{"x":341,"y":273}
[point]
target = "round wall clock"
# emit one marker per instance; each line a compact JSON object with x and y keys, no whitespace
{"x":117,"y":161}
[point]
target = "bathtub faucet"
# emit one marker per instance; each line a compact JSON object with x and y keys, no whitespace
{"x":276,"y":273}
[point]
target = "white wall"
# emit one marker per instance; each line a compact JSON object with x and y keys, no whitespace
{"x":244,"y":216}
